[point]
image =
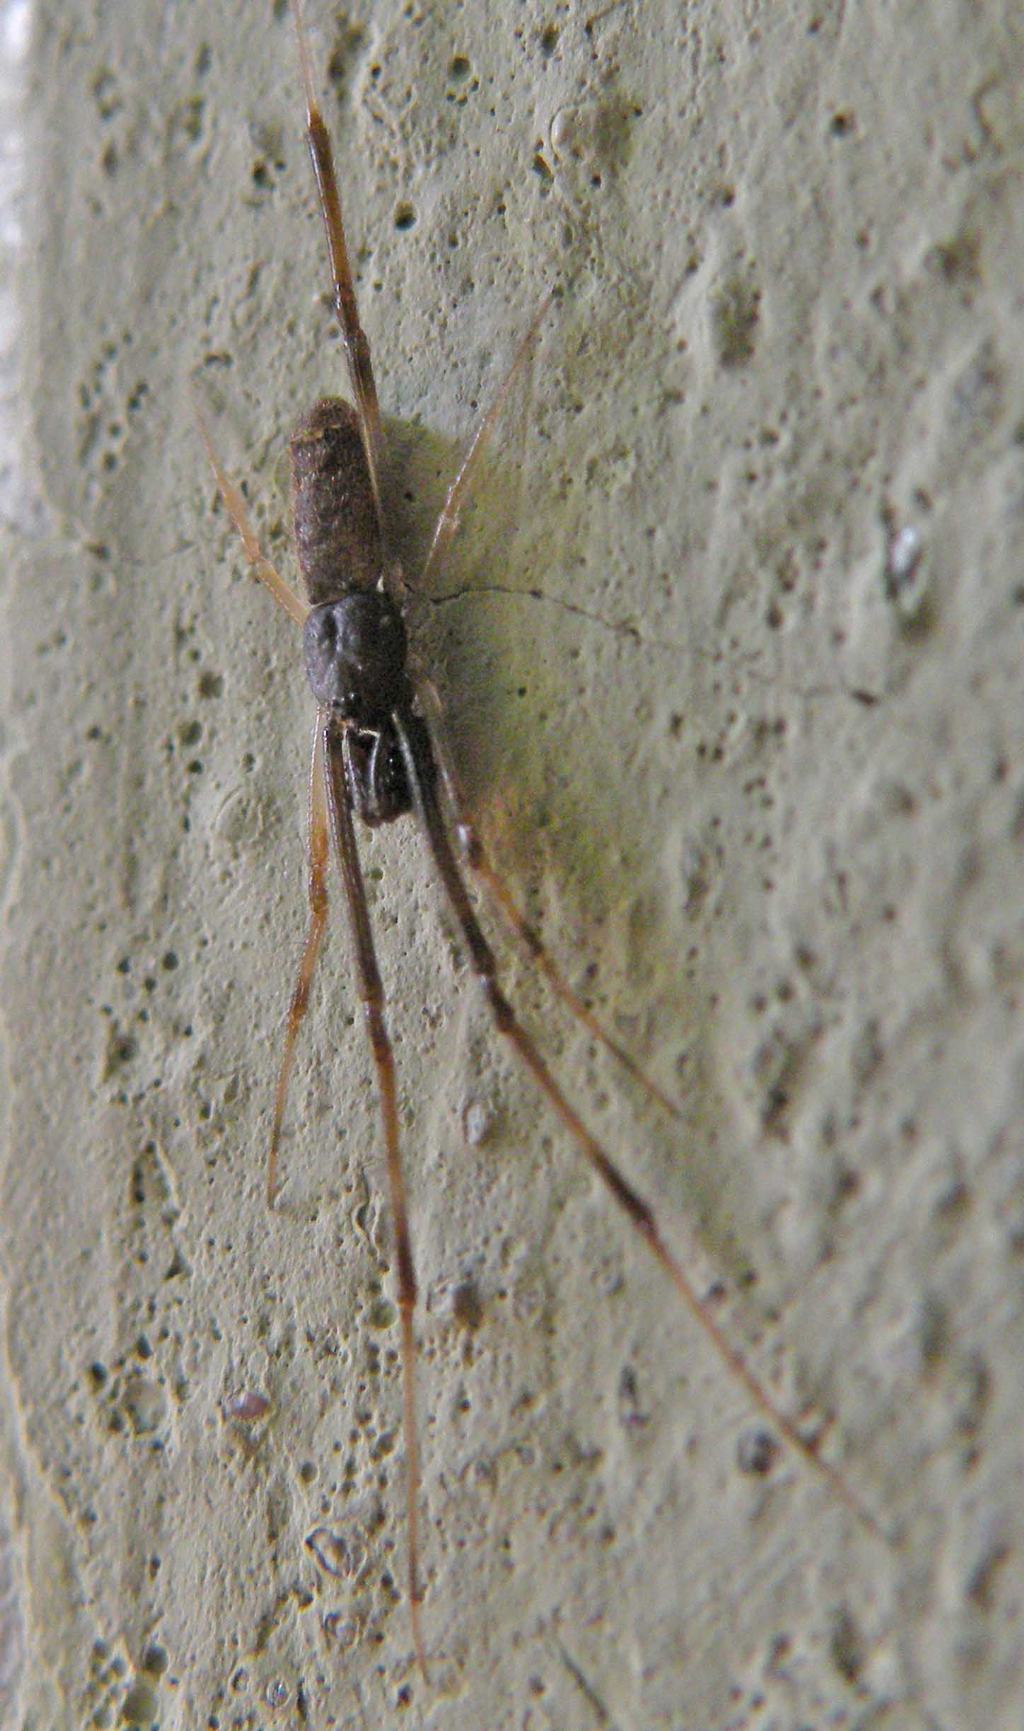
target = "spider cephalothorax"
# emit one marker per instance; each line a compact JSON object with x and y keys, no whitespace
{"x":355,"y":653}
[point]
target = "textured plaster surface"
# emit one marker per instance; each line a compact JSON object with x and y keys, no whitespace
{"x":731,"y":652}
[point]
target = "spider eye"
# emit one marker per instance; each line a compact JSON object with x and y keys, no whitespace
{"x":355,"y":655}
{"x":322,"y":635}
{"x":327,"y":627}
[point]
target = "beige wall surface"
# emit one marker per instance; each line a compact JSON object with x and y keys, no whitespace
{"x":730,"y":650}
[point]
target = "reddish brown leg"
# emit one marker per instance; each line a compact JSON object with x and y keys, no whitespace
{"x":311,"y":949}
{"x":476,"y":859}
{"x":371,"y":992}
{"x":357,"y":347}
{"x":420,"y":764}
{"x":458,"y":492}
{"x":235,"y":504}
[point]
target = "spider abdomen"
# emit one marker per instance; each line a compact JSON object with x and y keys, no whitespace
{"x":337,"y":533}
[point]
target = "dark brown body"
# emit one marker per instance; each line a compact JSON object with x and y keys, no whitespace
{"x":354,"y":642}
{"x":337,"y":531}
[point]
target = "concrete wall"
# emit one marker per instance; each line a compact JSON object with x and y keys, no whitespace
{"x":731,"y":653}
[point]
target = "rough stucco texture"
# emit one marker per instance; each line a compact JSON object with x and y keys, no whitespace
{"x":730,"y":649}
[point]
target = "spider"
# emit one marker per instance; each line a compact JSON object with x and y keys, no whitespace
{"x":379,"y":754}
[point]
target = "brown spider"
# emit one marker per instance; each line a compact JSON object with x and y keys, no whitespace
{"x":379,"y":753}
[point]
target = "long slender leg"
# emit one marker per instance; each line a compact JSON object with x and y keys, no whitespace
{"x":235,"y":504}
{"x":476,"y":859}
{"x":420,"y":764}
{"x":311,"y":948}
{"x":357,"y":347}
{"x":371,"y":992}
{"x":458,"y":492}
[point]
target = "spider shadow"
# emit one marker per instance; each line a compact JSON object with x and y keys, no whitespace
{"x":499,"y":634}
{"x":571,"y":838}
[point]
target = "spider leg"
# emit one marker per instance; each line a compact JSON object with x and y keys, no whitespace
{"x":235,"y":504}
{"x":371,"y":992}
{"x":475,"y":857}
{"x":357,"y":347}
{"x":311,"y":948}
{"x":421,"y":767}
{"x":458,"y":492}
